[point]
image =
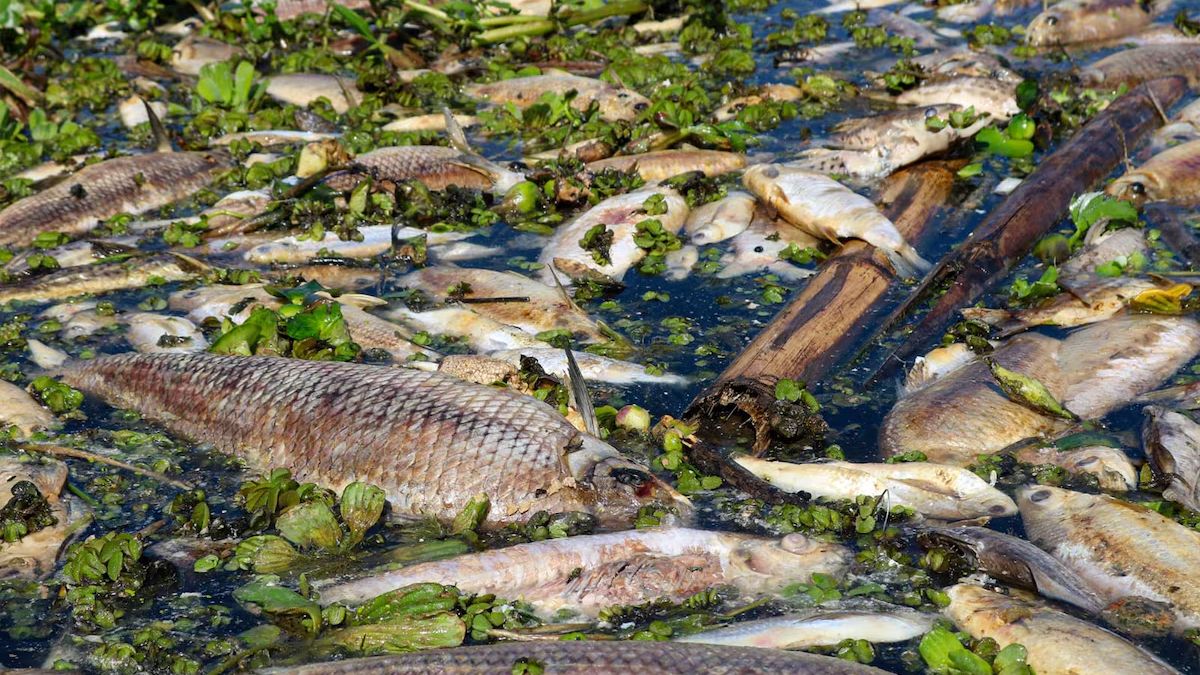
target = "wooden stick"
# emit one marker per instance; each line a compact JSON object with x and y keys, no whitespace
{"x":1037,"y":205}
{"x":64,"y":451}
{"x":827,"y":321}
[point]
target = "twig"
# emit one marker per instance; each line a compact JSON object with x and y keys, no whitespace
{"x":64,"y":451}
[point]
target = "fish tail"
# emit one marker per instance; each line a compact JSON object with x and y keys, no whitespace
{"x":908,"y":263}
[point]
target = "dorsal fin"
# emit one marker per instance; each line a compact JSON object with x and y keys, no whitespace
{"x":162,"y":140}
{"x":455,"y":133}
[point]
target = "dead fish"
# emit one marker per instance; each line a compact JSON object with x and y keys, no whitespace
{"x":757,"y":248}
{"x":587,"y":573}
{"x":945,"y":66}
{"x":72,"y":254}
{"x":1108,"y":300}
{"x":302,"y":89}
{"x":1015,"y":561}
{"x":934,"y":490}
{"x":591,"y":657}
{"x":619,"y":215}
{"x":825,"y":208}
{"x":1172,"y":442}
{"x":1131,"y":67}
{"x":663,"y":164}
{"x":595,"y":368}
{"x":1075,"y":21}
{"x":33,"y":555}
{"x":133,"y":184}
{"x":615,"y":103}
{"x":444,"y":440}
{"x":1121,"y":549}
{"x":133,"y":111}
{"x":373,"y":332}
{"x":544,"y":307}
{"x":1078,"y":274}
{"x":995,"y":97}
{"x":194,"y":52}
{"x":937,"y":363}
{"x":376,"y":240}
{"x":286,"y":10}
{"x":1111,"y":467}
{"x":104,"y":277}
{"x":484,"y":335}
{"x":153,"y":333}
{"x":20,"y":410}
{"x":269,"y":137}
{"x":768,"y":92}
{"x":1056,"y":642}
{"x":720,"y":220}
{"x":819,"y":627}
{"x":1090,"y":372}
{"x":433,"y":122}
{"x":904,"y":26}
{"x":233,"y":213}
{"x":434,"y":166}
{"x":1169,"y":176}
{"x":78,"y":319}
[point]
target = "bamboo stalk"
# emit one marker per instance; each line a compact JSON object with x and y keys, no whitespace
{"x":1008,"y":233}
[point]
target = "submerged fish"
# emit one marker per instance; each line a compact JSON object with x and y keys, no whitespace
{"x":1170,"y":176}
{"x":595,"y":368}
{"x":615,"y":103}
{"x":1075,"y":21}
{"x":1017,"y":562}
{"x":938,"y":363}
{"x":376,"y":240}
{"x":586,"y":574}
{"x":663,"y":164}
{"x":104,"y":277}
{"x":133,"y":184}
{"x":431,"y":442}
{"x":1121,"y":549}
{"x":302,"y":89}
{"x":435,"y":166}
{"x":1090,"y":372}
{"x":934,"y":490}
{"x":820,"y":627}
{"x":150,"y":333}
{"x":1131,"y":67}
{"x":757,"y":248}
{"x":826,"y":208}
{"x":484,"y":335}
{"x":591,"y":657}
{"x":544,"y":307}
{"x":619,"y":215}
{"x":20,"y":410}
{"x":33,"y":555}
{"x":1172,"y":442}
{"x":720,"y":220}
{"x":996,"y":97}
{"x":1056,"y":642}
{"x":1110,"y":466}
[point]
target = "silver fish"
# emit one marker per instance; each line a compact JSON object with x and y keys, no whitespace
{"x":820,"y":627}
{"x":1172,"y":442}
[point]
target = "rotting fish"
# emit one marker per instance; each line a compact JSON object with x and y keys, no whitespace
{"x":71,"y":254}
{"x":663,"y":164}
{"x":1090,"y":372}
{"x":818,"y":627}
{"x":20,"y":410}
{"x":103,"y":277}
{"x":286,"y":10}
{"x":1075,"y":21}
{"x":1121,"y":549}
{"x":619,"y":215}
{"x":33,"y":555}
{"x":343,"y":277}
{"x":482,"y":334}
{"x":431,"y":442}
{"x":595,"y":368}
{"x":544,"y":307}
{"x":768,"y":92}
{"x":1184,"y":126}
{"x":939,"y":362}
{"x":1132,"y":67}
{"x":586,"y":574}
{"x":1111,"y":466}
{"x":1169,"y":176}
{"x":825,"y":208}
{"x":232,"y":214}
{"x":874,"y":147}
{"x":615,"y":103}
{"x":757,"y":248}
{"x":1172,"y":442}
{"x":1109,"y":298}
{"x":302,"y":89}
{"x":720,"y":220}
{"x":995,"y":97}
{"x":149,"y":333}
{"x":1078,"y":273}
{"x":432,"y":122}
{"x":591,"y":657}
{"x":269,"y":137}
{"x":435,"y":166}
{"x":933,"y":490}
{"x":1056,"y":642}
{"x":1015,"y":561}
{"x":376,"y":240}
{"x":373,"y":332}
{"x":194,"y":52}
{"x":133,"y":184}
{"x":679,"y":263}
{"x":78,"y":319}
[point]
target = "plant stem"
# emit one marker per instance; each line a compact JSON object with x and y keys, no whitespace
{"x":538,"y":26}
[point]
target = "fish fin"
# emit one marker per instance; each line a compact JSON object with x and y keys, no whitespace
{"x":190,"y":263}
{"x":162,"y":140}
{"x":579,"y":393}
{"x":925,"y":486}
{"x":789,"y":271}
{"x":455,"y":133}
{"x":908,"y":263}
{"x":360,"y":300}
{"x":780,"y":194}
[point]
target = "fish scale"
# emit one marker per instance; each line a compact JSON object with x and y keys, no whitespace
{"x":134,"y":184}
{"x":430,"y":441}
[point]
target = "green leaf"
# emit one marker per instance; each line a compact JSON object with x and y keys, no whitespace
{"x":356,"y":22}
{"x":274,"y":599}
{"x":361,"y":507}
{"x":403,"y":634}
{"x":1028,"y":391}
{"x":1001,"y":144}
{"x":788,"y":390}
{"x":472,"y":515}
{"x":309,"y":525}
{"x":243,"y":83}
{"x":1093,"y":207}
{"x":943,"y":653}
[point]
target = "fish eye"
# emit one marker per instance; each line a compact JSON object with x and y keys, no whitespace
{"x":758,"y":249}
{"x":1137,"y":188}
{"x":1039,"y":496}
{"x":771,"y":172}
{"x":997,"y":508}
{"x":1052,"y":20}
{"x":930,"y":112}
{"x":640,"y":106}
{"x":630,"y":477}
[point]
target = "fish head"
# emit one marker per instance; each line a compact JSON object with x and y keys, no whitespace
{"x":622,"y":105}
{"x":767,"y":564}
{"x":1138,"y":187}
{"x":1044,"y":512}
{"x":622,"y":486}
{"x":1046,"y":28}
{"x":1110,"y":465}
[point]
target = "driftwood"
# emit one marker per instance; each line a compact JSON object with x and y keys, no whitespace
{"x":1008,"y":233}
{"x":829,"y":319}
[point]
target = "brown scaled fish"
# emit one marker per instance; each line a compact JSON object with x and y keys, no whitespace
{"x":1172,"y":175}
{"x":1076,"y":21}
{"x":434,"y":166}
{"x":103,"y":277}
{"x":663,"y":164}
{"x":134,"y":184}
{"x":615,"y":103}
{"x":1172,"y":442}
{"x":591,"y":657}
{"x":1132,"y":67}
{"x":430,"y":441}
